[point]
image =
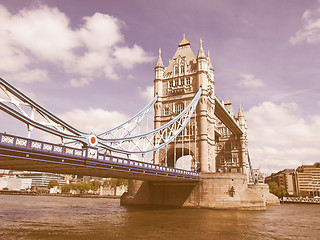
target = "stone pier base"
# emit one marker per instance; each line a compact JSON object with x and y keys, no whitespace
{"x":214,"y":190}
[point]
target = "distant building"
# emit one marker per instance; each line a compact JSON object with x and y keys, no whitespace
{"x":41,"y":179}
{"x":304,"y":181}
{"x":258,"y":176}
{"x":307,"y":180}
{"x":284,"y":178}
{"x":12,"y":183}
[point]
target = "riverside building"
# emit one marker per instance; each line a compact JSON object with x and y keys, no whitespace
{"x":304,"y":181}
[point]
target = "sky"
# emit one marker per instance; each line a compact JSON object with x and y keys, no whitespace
{"x":92,"y":63}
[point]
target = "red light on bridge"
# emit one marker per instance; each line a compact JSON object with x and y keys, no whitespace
{"x":92,"y":140}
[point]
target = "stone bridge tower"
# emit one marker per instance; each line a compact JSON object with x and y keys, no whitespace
{"x":176,"y":85}
{"x":216,"y":139}
{"x":212,"y":146}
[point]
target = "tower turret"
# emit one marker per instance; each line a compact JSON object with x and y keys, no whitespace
{"x":244,"y":143}
{"x":242,"y":119}
{"x":159,"y":68}
{"x":201,"y":53}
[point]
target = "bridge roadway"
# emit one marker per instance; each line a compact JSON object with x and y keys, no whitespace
{"x":18,"y":153}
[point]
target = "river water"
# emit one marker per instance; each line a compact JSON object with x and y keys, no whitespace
{"x":45,"y":217}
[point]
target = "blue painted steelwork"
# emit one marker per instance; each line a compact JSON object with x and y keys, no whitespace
{"x":155,"y":139}
{"x":143,"y":112}
{"x":29,"y":150}
{"x":173,"y":128}
{"x":24,"y":98}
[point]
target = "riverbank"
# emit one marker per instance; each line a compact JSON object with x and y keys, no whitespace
{"x":34,"y":193}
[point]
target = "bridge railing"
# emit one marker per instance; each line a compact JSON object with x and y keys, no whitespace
{"x":87,"y":154}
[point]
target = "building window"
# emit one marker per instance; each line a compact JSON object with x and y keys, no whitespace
{"x":176,"y":70}
{"x":170,"y":84}
{"x":178,"y":108}
{"x":166,"y":111}
{"x":234,"y":158}
{"x":176,"y":82}
{"x":182,"y":81}
{"x":182,"y":70}
{"x":188,"y":81}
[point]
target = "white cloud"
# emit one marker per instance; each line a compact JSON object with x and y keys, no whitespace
{"x":101,"y":31}
{"x":310,"y":32}
{"x":93,"y":120}
{"x":44,"y":35}
{"x":79,"y":82}
{"x":280,"y":138}
{"x":147,"y":93}
{"x":128,"y":57}
{"x":249,"y":81}
{"x":29,"y":75}
{"x":44,"y":32}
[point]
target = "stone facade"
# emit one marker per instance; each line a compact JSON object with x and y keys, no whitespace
{"x":214,"y":190}
{"x":211,"y":144}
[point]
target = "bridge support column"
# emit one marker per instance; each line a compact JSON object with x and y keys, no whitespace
{"x":203,"y":135}
{"x":137,"y":194}
{"x":214,"y":190}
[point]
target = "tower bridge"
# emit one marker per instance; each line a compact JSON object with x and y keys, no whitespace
{"x":199,"y":146}
{"x":217,"y":125}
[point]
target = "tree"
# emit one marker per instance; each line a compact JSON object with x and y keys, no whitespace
{"x":66,"y":188}
{"x":83,"y":187}
{"x":95,"y":185}
{"x":115,"y":182}
{"x":53,"y":183}
{"x":279,"y":191}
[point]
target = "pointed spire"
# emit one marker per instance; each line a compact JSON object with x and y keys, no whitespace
{"x":209,"y":61}
{"x":159,"y":62}
{"x":201,"y":53}
{"x":184,"y":41}
{"x":227,"y":102}
{"x":241,"y":111}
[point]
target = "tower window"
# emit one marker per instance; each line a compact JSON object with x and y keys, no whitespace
{"x":182,"y":70}
{"x":166,"y":111}
{"x":234,"y":158}
{"x":178,"y":108}
{"x":176,"y":70}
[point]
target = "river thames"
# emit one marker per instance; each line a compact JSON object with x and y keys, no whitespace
{"x":46,"y":217}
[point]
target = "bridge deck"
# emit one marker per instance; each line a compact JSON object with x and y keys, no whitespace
{"x":19,"y":153}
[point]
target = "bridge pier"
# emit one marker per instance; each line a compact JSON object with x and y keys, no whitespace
{"x":214,"y":190}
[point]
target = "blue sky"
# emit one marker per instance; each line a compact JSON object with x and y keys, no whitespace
{"x":95,"y":59}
